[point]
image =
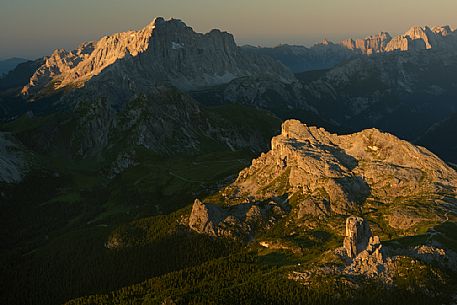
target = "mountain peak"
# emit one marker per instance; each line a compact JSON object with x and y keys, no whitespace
{"x":306,"y":162}
{"x":171,"y":52}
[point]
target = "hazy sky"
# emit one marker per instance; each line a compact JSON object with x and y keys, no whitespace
{"x":32,"y":28}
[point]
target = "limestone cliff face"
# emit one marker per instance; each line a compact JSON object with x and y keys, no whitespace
{"x":324,"y":174}
{"x":164,"y":52}
{"x":73,"y":68}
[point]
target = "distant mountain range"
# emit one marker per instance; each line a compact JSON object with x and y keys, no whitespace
{"x":328,"y":54}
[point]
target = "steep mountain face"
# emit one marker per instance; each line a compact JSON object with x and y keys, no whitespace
{"x":164,"y":52}
{"x":424,"y":38}
{"x":322,"y":174}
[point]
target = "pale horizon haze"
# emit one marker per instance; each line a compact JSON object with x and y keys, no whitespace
{"x":31,"y":28}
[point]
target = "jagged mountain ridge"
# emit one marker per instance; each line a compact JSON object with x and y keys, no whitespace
{"x":353,"y":162}
{"x":164,"y":52}
{"x":416,"y":38}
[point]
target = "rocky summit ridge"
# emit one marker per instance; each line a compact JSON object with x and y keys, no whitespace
{"x":320,"y":174}
{"x":416,"y":38}
{"x":164,"y":52}
{"x":333,"y":173}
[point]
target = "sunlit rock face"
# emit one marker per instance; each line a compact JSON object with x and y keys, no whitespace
{"x":416,"y":38}
{"x":325,"y":174}
{"x":369,"y":45}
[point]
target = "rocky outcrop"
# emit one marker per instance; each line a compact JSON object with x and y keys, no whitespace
{"x":239,"y":222}
{"x":370,"y":261}
{"x":357,"y":236}
{"x":164,"y":52}
{"x":321,"y":174}
{"x":363,"y":250}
